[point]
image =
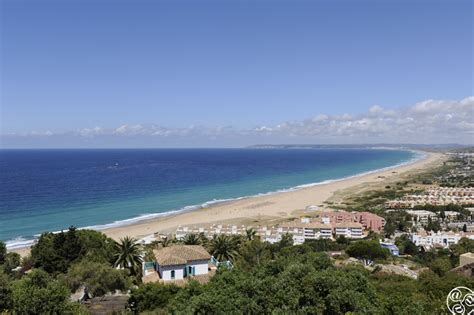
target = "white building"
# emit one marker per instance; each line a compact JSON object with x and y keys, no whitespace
{"x":209,"y":232}
{"x":422,"y":216}
{"x":300,"y":230}
{"x":348,"y":230}
{"x":180,"y":261}
{"x":444,"y":239}
{"x":451,"y":215}
{"x":306,"y":230}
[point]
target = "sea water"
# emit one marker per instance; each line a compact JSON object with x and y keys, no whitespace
{"x":49,"y":190}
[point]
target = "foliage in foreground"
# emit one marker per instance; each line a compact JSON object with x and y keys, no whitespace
{"x":62,"y":263}
{"x":38,"y":293}
{"x":267,"y":278}
{"x":300,"y":279}
{"x":55,"y":253}
{"x":128,"y":255}
{"x":96,"y":278}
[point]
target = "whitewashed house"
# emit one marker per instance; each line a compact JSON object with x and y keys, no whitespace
{"x":180,"y":261}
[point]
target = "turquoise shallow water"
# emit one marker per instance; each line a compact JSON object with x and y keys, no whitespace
{"x":49,"y":190}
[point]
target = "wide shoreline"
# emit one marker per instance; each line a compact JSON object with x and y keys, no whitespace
{"x":268,"y":207}
{"x":262,"y":209}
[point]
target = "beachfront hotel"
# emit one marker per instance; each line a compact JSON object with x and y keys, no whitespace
{"x":306,"y":230}
{"x":349,"y":230}
{"x":368,"y":220}
{"x":329,"y":225}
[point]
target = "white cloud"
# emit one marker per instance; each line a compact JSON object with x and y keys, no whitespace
{"x":430,"y":121}
{"x":90,"y":132}
{"x":131,"y":130}
{"x":46,"y":133}
{"x":263,"y":129}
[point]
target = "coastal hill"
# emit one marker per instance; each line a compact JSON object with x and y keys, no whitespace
{"x":435,"y":147}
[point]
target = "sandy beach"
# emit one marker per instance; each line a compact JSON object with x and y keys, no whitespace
{"x":271,"y":208}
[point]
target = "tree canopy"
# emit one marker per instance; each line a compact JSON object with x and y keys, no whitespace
{"x":55,"y":252}
{"x":279,"y":278}
{"x":39,"y":293}
{"x":3,"y":252}
{"x":97,"y":278}
{"x":367,"y":249}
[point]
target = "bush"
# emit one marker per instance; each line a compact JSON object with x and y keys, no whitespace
{"x":151,"y":296}
{"x":367,"y":250}
{"x":38,"y":293}
{"x":12,"y":260}
{"x":3,"y":252}
{"x":5,"y":293}
{"x":301,"y":280}
{"x":440,"y":266}
{"x":98,"y":279}
{"x":56,"y":252}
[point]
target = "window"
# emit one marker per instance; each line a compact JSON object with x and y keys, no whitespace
{"x":173,"y":274}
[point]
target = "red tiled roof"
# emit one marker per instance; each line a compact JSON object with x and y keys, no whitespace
{"x":180,"y":254}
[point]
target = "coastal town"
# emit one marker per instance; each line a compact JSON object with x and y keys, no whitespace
{"x":419,"y":233}
{"x":428,"y":230}
{"x":236,"y":157}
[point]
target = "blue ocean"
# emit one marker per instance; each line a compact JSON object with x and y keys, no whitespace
{"x":49,"y":190}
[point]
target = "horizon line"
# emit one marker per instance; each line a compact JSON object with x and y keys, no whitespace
{"x":393,"y":145}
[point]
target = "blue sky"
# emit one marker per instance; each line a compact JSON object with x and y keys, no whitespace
{"x":70,"y":66}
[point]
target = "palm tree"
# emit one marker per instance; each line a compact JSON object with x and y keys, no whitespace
{"x":204,"y":241}
{"x":128,"y":255}
{"x":223,"y":247}
{"x":192,"y":239}
{"x":250,"y":234}
{"x":163,"y":241}
{"x":166,"y":241}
